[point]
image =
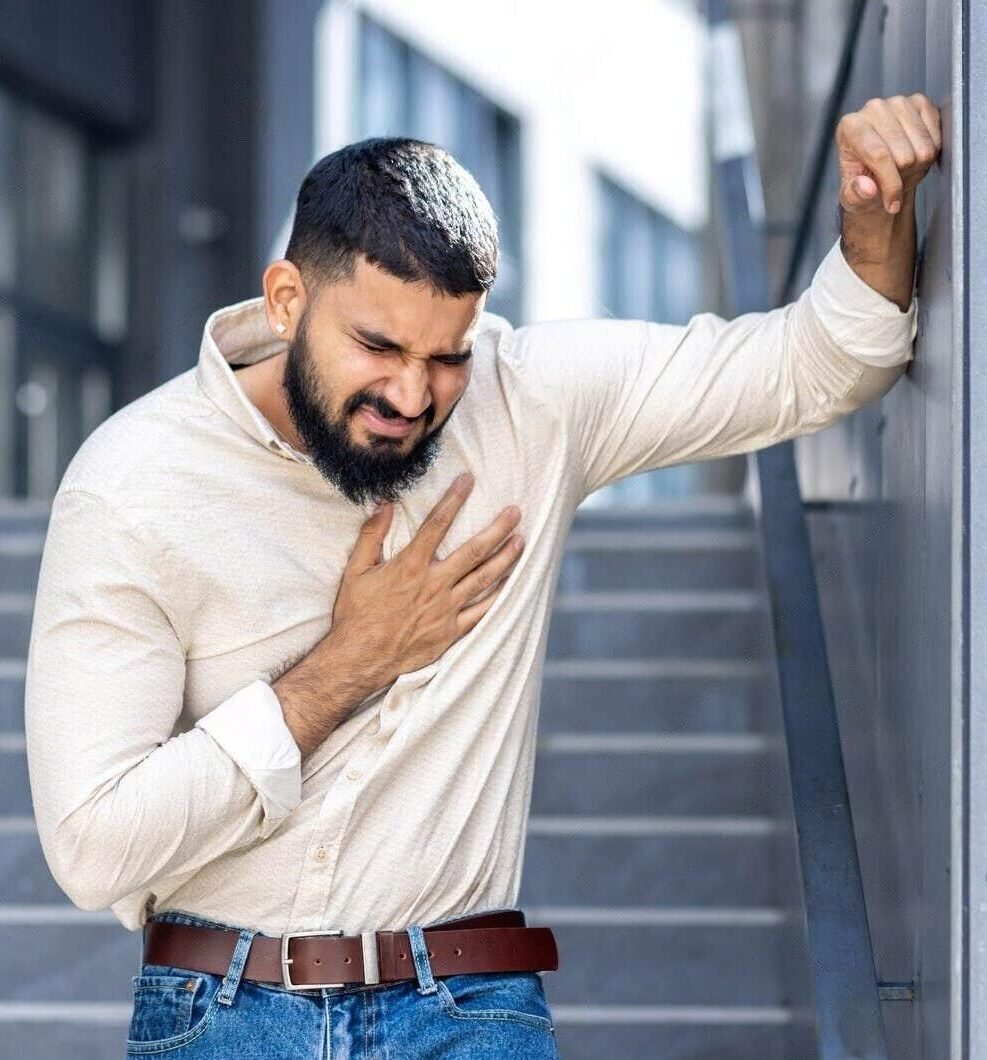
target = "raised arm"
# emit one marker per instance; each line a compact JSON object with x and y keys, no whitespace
{"x":636,"y":395}
{"x":632,"y":395}
{"x":119,"y":799}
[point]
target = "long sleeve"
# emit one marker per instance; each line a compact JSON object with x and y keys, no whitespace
{"x":120,"y":798}
{"x":637,"y":395}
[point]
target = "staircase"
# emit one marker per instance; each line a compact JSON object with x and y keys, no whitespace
{"x":660,"y":847}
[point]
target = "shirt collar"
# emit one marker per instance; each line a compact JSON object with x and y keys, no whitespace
{"x":240,"y":334}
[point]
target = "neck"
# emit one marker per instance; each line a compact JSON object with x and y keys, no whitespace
{"x":261,"y":383}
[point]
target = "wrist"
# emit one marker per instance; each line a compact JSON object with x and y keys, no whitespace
{"x":349,"y":669}
{"x":874,"y":236}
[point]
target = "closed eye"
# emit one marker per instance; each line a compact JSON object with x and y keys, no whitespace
{"x":451,"y":359}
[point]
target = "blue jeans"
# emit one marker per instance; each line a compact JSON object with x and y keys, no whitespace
{"x":184,"y":1014}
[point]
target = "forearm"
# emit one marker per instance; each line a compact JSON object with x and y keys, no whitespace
{"x":881,"y":249}
{"x":318,"y":693}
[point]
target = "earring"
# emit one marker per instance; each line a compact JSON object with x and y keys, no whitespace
{"x":280,"y":328}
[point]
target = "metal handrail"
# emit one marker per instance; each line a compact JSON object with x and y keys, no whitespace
{"x":849,"y":1021}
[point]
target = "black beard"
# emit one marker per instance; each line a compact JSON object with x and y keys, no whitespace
{"x":361,"y":473}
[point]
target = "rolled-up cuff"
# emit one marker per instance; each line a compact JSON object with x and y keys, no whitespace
{"x":860,"y":320}
{"x":250,"y":727}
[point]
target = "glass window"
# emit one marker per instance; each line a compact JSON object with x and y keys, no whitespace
{"x":650,"y":269}
{"x":8,"y":193}
{"x":402,"y":92}
{"x":54,"y":199}
{"x":63,"y":291}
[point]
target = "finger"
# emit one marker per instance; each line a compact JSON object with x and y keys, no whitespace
{"x":463,"y":559}
{"x":370,"y":541}
{"x":875,"y":153}
{"x":469,"y":617}
{"x":485,"y":575}
{"x":930,"y":116}
{"x":886,"y":149}
{"x":439,"y":519}
{"x":909,"y":117}
{"x":859,"y":190}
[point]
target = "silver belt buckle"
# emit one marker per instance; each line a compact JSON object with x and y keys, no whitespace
{"x":286,"y":960}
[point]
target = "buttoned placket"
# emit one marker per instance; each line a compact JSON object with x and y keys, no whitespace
{"x":329,"y":829}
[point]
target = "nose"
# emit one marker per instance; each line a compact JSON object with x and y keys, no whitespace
{"x":407,"y":391}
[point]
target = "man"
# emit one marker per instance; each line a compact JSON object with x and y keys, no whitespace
{"x":257,"y":704}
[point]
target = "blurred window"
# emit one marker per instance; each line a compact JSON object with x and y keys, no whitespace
{"x":63,"y":291}
{"x":649,"y":269}
{"x":402,"y":92}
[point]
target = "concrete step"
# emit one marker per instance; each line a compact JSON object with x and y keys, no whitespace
{"x":705,"y":701}
{"x":668,"y":964}
{"x":24,"y":876}
{"x":670,"y":558}
{"x":715,"y":862}
{"x":15,"y":792}
{"x":701,"y":512}
{"x":53,"y":1030}
{"x":20,"y":560}
{"x":15,"y":624}
{"x":659,"y":624}
{"x":12,"y":694}
{"x":89,"y":958}
{"x":632,"y":773}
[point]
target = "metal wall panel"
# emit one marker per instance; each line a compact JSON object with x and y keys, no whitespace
{"x":887,"y":533}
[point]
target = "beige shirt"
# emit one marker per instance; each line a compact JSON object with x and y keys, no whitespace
{"x":192,"y":555}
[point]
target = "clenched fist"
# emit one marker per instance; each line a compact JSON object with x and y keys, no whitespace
{"x":885,"y":149}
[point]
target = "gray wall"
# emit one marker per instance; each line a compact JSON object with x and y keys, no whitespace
{"x":888,"y":488}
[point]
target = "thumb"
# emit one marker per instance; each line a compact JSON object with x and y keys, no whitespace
{"x":859,"y":191}
{"x":367,"y":550}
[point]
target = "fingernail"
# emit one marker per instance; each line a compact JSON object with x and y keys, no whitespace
{"x":895,"y":207}
{"x":464,"y":479}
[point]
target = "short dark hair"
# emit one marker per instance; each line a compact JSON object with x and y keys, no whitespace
{"x":407,"y":205}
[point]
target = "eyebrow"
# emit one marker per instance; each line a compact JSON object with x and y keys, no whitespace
{"x":377,"y":338}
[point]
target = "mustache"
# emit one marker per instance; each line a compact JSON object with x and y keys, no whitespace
{"x":386,"y":410}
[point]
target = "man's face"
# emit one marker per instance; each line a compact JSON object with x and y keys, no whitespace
{"x":370,"y":415}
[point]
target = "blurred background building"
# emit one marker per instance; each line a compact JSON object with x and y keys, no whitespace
{"x":151,"y":156}
{"x":150,"y":153}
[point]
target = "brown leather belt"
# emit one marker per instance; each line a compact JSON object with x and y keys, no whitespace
{"x":301,"y":960}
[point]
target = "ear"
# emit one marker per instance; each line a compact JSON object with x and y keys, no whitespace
{"x":285,"y":297}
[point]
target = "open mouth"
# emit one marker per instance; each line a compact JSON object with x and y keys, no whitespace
{"x":394,"y":428}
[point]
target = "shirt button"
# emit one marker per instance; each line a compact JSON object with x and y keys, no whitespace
{"x":353,"y":773}
{"x":320,"y":854}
